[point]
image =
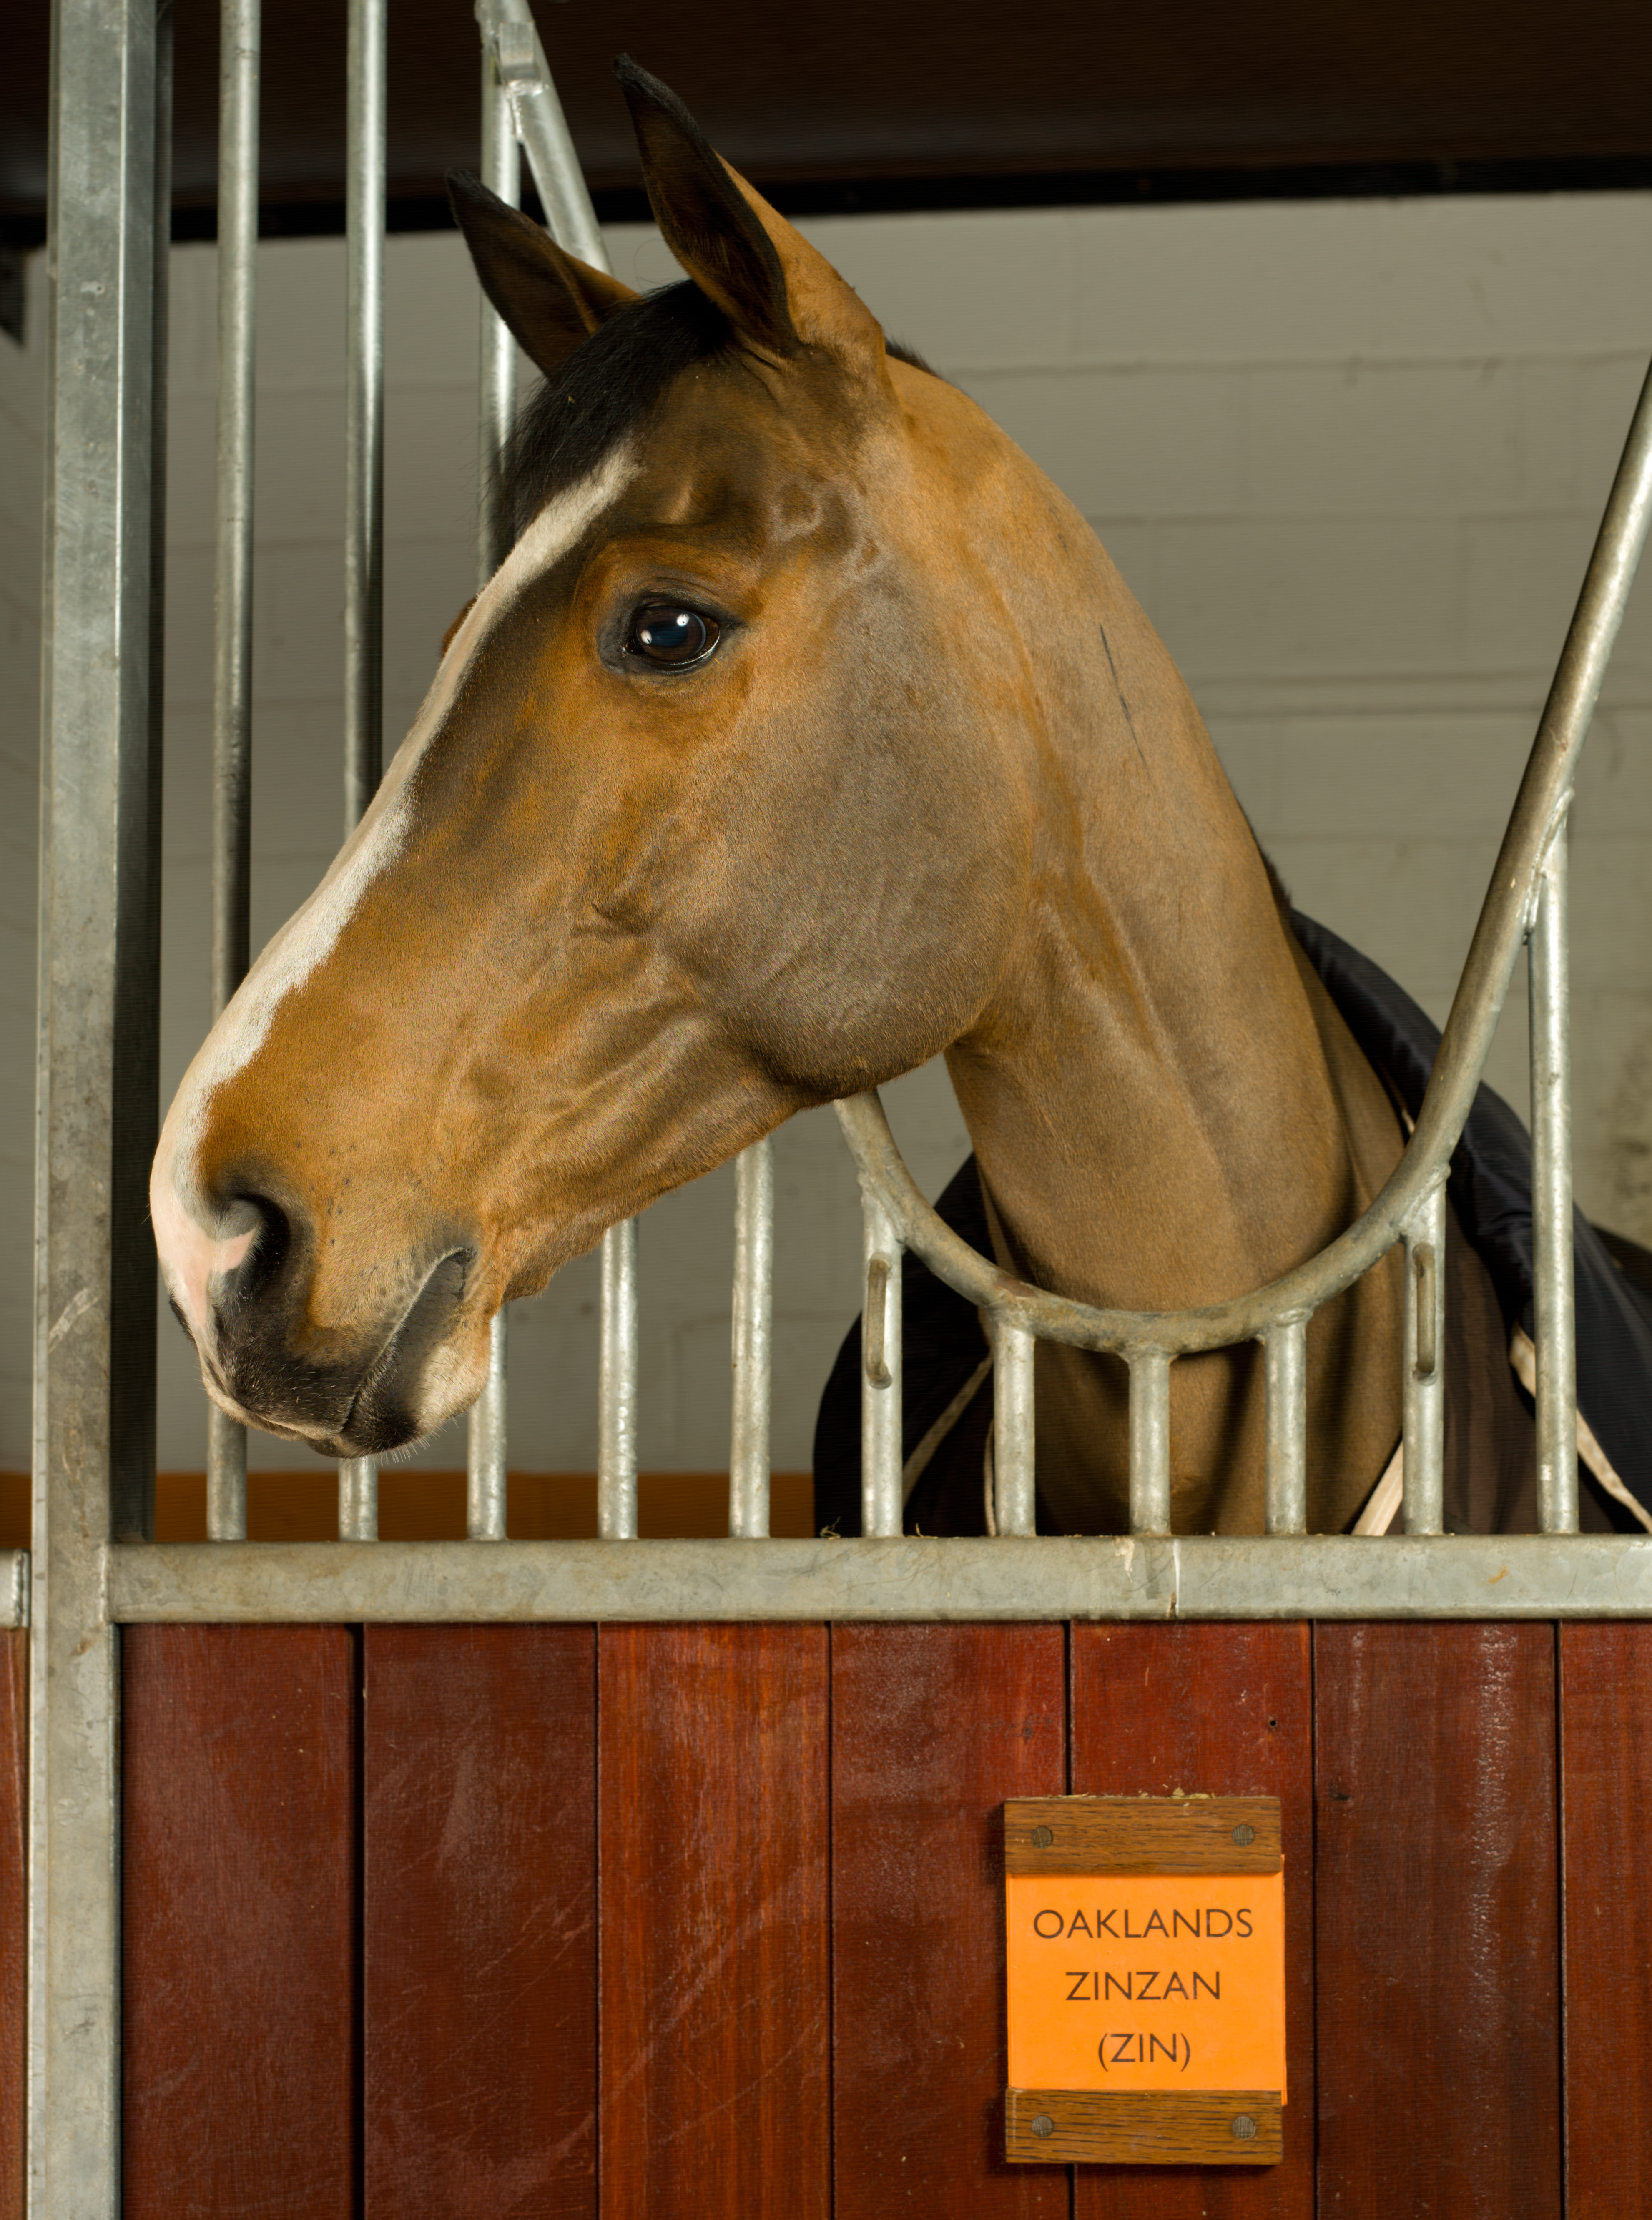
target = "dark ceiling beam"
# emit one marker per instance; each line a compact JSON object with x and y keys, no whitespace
{"x":914,"y":103}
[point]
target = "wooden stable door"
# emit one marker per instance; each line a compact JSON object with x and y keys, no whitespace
{"x":707,"y":1920}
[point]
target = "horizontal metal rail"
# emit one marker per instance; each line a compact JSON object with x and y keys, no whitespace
{"x":908,"y":1577}
{"x":911,"y":1578}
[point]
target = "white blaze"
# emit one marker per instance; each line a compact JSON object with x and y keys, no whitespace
{"x":189,"y":1257}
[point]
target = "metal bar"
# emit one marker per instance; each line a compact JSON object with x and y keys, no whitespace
{"x":502,"y":173}
{"x":487,"y":1446}
{"x":231,"y":614}
{"x":753,"y":1340}
{"x":485,"y":1460}
{"x":1149,"y":1443}
{"x":512,"y":43}
{"x":616,"y":1388}
{"x":1554,"y":1319}
{"x":907,"y":1577}
{"x":1014,"y":1500}
{"x":359,"y":1499}
{"x":364,"y":522}
{"x":881,"y":1503}
{"x":1423,"y":1398}
{"x":364,"y":498}
{"x":226,"y":1477}
{"x":520,"y":101}
{"x":94,"y":1330}
{"x":1286,"y":1360}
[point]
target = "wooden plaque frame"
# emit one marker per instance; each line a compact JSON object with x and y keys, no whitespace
{"x":1135,"y":1836}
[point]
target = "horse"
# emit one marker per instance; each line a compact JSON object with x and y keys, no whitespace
{"x":805,"y":733}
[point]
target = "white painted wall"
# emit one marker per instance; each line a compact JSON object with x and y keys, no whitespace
{"x":1350,"y":456}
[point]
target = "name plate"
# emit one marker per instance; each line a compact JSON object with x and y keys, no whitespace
{"x":1146,"y":1963}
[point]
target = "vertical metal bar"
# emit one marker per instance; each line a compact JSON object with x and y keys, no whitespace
{"x":1552,"y":1293}
{"x":364,"y":499}
{"x":1285,"y":1358}
{"x":97,"y":900}
{"x":754,"y":1301}
{"x":519,"y":101}
{"x":1425,"y":1362}
{"x":485,"y":1457}
{"x":1014,"y":1504}
{"x":1149,"y":1443}
{"x":502,"y":173}
{"x":487,"y":1450}
{"x":617,"y":1388}
{"x":359,"y":1499}
{"x":882,"y":1502}
{"x":231,"y":629}
{"x":226,"y":1477}
{"x":364,"y":527}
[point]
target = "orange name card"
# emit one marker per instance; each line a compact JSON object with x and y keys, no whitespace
{"x":1163,"y":1981}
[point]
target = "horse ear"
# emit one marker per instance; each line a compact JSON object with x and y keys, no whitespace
{"x":779,"y":293}
{"x":551,"y":303}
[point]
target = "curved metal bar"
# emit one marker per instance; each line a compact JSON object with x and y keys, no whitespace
{"x":1539,"y":811}
{"x":510,"y":34}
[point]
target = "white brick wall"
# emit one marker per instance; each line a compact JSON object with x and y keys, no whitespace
{"x":1351,"y":457}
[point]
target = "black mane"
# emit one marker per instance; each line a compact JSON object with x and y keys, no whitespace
{"x":609,"y":387}
{"x":605,"y":389}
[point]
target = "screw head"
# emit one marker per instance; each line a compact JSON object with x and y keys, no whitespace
{"x":1043,"y":1837}
{"x":1244,"y":1834}
{"x":1043,"y":2126}
{"x":1243,"y":2129}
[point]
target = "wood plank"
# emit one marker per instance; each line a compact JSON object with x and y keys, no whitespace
{"x":14,"y":1912}
{"x":479,"y":1935}
{"x":1605,"y":1797}
{"x":1437,"y":1898}
{"x":1222,"y":1710}
{"x":1227,"y":2127}
{"x":712,"y":1888}
{"x":1123,"y":1835}
{"x":239,"y":1944}
{"x":933,"y":1727}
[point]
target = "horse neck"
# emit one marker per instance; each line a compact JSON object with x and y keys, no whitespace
{"x":1148,"y":1089}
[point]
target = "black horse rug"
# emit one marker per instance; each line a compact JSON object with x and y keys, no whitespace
{"x":1490,"y":1477}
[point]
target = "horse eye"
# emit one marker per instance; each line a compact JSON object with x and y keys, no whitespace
{"x":667,"y":634}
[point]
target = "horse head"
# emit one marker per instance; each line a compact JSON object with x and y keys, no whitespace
{"x":716,"y":809}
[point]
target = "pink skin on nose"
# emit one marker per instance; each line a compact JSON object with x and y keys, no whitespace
{"x":189,"y":1257}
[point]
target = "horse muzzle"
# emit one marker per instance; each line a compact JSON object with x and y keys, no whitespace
{"x":380,"y":1386}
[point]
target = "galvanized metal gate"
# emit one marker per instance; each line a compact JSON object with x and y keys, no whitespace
{"x":95,"y":1570}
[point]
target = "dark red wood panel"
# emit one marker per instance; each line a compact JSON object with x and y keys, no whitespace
{"x":1437,"y":1905}
{"x":715,"y":2071}
{"x":238,"y":1809}
{"x":479,"y":1826}
{"x":14,"y":1911}
{"x":1606,"y":1800}
{"x":932,"y":1728}
{"x":1226,"y":1711}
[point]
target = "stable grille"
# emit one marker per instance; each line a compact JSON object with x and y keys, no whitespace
{"x":93,"y":1567}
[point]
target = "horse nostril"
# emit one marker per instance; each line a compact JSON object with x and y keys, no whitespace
{"x":271,"y":1232}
